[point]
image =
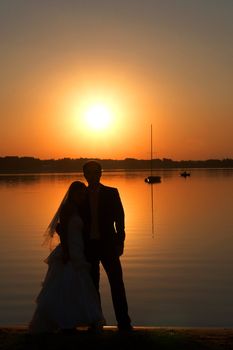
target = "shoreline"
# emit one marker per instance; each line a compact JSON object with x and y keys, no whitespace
{"x":166,"y":338}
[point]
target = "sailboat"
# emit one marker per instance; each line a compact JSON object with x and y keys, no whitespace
{"x":151,"y":179}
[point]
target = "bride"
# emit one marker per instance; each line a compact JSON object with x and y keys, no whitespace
{"x":68,"y":297}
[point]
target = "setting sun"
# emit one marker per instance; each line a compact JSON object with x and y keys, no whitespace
{"x":98,"y":116}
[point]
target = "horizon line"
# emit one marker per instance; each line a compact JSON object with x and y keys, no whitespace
{"x":119,"y":159}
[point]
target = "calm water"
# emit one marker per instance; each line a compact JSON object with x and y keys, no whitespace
{"x":178,"y":262}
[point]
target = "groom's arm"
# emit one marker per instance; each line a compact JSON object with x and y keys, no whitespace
{"x":119,"y":222}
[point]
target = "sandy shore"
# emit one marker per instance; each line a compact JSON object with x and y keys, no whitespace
{"x":17,"y":338}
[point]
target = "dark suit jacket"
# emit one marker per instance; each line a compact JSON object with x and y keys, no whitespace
{"x":111,"y":218}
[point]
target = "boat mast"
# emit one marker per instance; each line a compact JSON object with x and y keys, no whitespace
{"x":151,"y":150}
{"x":152,"y":179}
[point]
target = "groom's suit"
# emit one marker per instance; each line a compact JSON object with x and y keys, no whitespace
{"x":108,"y":245}
{"x":111,"y":216}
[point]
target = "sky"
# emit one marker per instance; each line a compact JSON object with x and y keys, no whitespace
{"x":88,"y":78}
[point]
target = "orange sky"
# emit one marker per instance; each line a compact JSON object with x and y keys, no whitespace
{"x":166,"y":63}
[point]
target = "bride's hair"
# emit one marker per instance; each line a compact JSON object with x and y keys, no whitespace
{"x":64,"y":210}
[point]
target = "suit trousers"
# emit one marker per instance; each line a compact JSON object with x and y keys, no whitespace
{"x":106,"y":254}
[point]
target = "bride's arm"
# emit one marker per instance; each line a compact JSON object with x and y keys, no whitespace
{"x":64,"y":235}
{"x":65,"y":248}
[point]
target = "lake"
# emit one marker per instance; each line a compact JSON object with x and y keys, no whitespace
{"x":178,"y":260}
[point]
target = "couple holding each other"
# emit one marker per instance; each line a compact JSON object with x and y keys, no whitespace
{"x":90,"y":223}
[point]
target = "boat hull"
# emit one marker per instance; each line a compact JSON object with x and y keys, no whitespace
{"x":153,"y":179}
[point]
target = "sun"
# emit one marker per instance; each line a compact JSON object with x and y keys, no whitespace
{"x":98,"y":116}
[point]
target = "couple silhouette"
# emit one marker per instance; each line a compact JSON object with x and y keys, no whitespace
{"x":90,"y":224}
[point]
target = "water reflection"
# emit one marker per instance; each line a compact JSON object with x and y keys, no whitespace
{"x":29,"y":179}
{"x":152,"y":198}
{"x":15,"y":180}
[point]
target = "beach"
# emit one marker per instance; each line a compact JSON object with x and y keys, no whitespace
{"x":17,"y":338}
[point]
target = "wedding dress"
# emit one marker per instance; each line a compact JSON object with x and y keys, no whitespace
{"x":68,"y":297}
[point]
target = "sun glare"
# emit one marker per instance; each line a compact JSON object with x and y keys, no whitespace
{"x":98,"y":117}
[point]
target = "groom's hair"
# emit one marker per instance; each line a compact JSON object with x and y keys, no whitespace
{"x":91,"y":163}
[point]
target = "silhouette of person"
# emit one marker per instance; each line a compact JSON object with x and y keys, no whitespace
{"x":68,"y":297}
{"x":106,"y":235}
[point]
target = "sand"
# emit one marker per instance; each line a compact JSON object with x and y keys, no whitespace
{"x":17,"y":338}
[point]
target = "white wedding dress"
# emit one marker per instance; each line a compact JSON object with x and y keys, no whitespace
{"x":68,"y":297}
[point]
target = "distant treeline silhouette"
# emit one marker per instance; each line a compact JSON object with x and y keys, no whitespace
{"x":14,"y":164}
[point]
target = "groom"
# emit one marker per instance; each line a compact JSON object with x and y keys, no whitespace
{"x":106,"y":237}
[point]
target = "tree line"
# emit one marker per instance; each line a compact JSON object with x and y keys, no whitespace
{"x":15,"y":164}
